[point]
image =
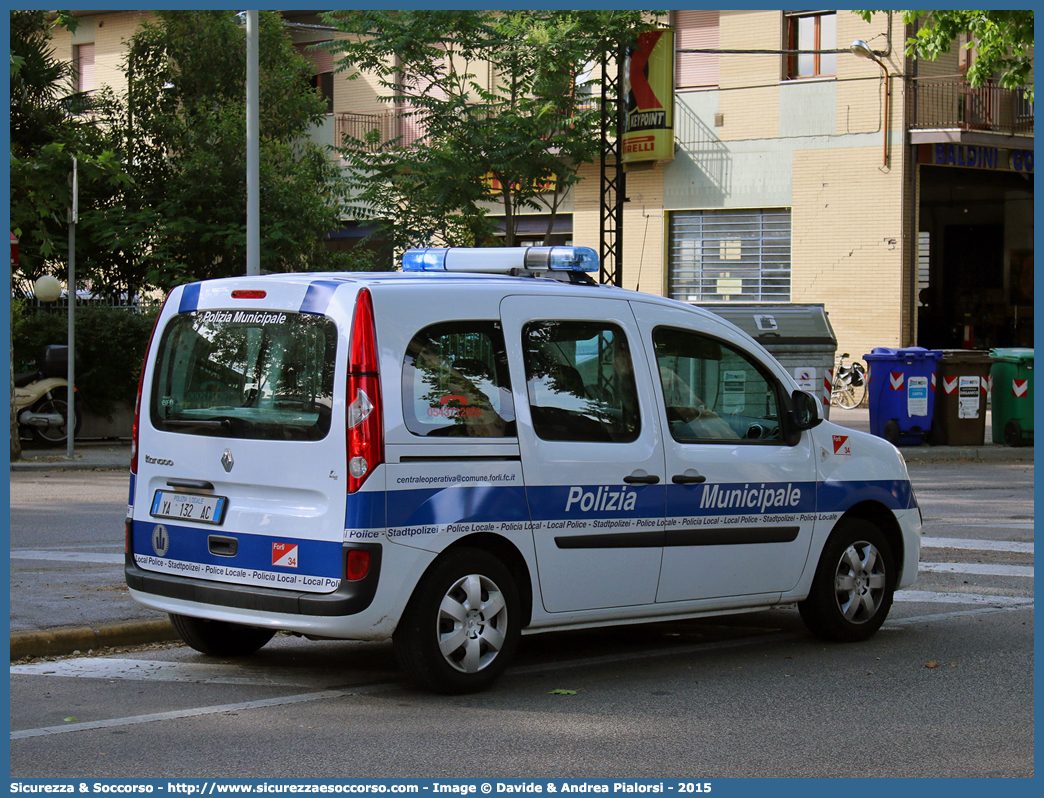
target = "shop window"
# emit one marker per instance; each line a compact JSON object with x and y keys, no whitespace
{"x":810,"y":31}
{"x":722,"y":256}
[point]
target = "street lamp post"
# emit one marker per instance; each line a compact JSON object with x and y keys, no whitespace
{"x":862,"y":49}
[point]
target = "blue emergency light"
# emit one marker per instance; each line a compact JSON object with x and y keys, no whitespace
{"x":500,"y":260}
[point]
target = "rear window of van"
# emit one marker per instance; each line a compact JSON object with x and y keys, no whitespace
{"x":245,"y":374}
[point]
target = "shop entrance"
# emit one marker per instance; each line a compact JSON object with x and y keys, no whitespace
{"x":975,"y":287}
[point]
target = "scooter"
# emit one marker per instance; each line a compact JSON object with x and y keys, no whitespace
{"x":41,"y":399}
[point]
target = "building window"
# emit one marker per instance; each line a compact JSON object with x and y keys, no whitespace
{"x":83,"y":61}
{"x":696,"y":30}
{"x":323,"y":84}
{"x":322,"y":61}
{"x":723,"y":256}
{"x":811,"y":30}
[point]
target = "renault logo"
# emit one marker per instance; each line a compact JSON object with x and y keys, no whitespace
{"x":227,"y":461}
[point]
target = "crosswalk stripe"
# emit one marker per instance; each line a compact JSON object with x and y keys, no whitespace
{"x":1018,"y":547}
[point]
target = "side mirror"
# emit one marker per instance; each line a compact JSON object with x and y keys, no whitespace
{"x":805,"y":412}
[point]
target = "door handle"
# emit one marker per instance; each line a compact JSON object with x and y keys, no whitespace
{"x":644,"y":479}
{"x":688,"y":479}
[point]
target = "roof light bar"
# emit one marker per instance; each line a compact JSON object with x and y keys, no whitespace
{"x":500,"y":260}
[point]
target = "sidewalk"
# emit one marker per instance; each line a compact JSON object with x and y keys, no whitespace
{"x":140,"y":626}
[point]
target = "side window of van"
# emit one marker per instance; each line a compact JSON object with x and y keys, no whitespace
{"x":455,"y":382}
{"x":713,"y":392}
{"x":580,"y":381}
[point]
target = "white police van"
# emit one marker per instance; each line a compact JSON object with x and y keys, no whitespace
{"x":484,"y":445}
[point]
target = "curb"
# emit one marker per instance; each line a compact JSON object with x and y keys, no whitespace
{"x":68,"y":466}
{"x":992,"y":453}
{"x":66,"y":640}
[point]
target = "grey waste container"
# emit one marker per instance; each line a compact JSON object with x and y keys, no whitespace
{"x":799,"y":336}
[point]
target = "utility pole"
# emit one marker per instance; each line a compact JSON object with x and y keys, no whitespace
{"x":253,"y":159}
{"x":70,"y":418}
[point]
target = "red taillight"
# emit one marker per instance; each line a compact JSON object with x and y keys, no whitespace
{"x":141,"y":382}
{"x":357,"y":565}
{"x":365,"y":429}
{"x":243,"y":294}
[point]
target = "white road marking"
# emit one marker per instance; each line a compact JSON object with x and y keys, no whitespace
{"x":977,"y":525}
{"x":184,"y":713}
{"x":69,"y":556}
{"x":979,"y":569}
{"x":932,"y":597}
{"x":159,"y":671}
{"x":899,"y":623}
{"x":977,"y":545}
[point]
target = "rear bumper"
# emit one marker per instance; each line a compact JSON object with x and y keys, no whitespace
{"x":350,"y":598}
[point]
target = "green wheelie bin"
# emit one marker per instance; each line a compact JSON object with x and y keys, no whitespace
{"x":1012,"y":376}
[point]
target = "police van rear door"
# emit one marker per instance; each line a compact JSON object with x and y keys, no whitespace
{"x":241,"y":471}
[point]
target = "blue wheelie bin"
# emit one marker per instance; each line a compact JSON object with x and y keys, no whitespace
{"x":902,"y":393}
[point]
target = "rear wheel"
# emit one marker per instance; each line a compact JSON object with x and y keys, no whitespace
{"x":461,"y":627}
{"x":56,"y":402}
{"x":220,"y":638}
{"x":853,"y":586}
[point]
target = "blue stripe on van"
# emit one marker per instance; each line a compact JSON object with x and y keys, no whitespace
{"x":189,"y":298}
{"x":317,"y":297}
{"x":365,"y":510}
{"x":457,"y":503}
{"x":254,"y":552}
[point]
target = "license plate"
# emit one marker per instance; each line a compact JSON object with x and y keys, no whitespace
{"x":189,"y":507}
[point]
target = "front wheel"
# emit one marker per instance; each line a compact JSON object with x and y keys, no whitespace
{"x":462,"y":625}
{"x":849,"y":396}
{"x":853,"y":586}
{"x":220,"y":638}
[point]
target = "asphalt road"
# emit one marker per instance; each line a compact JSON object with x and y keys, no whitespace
{"x":945,"y":689}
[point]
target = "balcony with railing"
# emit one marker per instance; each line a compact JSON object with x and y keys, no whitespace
{"x":951,"y":103}
{"x":378,"y":127}
{"x":381,"y":127}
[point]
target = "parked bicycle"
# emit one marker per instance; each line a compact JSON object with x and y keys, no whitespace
{"x":849,"y":384}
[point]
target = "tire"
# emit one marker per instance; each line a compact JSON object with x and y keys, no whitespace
{"x":891,"y":433}
{"x":220,"y":638}
{"x":462,"y":624}
{"x":57,"y":402}
{"x":1013,"y":433}
{"x":853,"y":586}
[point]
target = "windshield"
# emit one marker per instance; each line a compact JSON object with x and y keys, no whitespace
{"x":245,"y":374}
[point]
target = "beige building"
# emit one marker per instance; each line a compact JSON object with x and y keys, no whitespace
{"x":886,"y":189}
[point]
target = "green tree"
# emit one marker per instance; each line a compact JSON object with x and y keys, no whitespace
{"x":49,"y":127}
{"x":1003,"y":42}
{"x":481,"y":140}
{"x":183,"y":131}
